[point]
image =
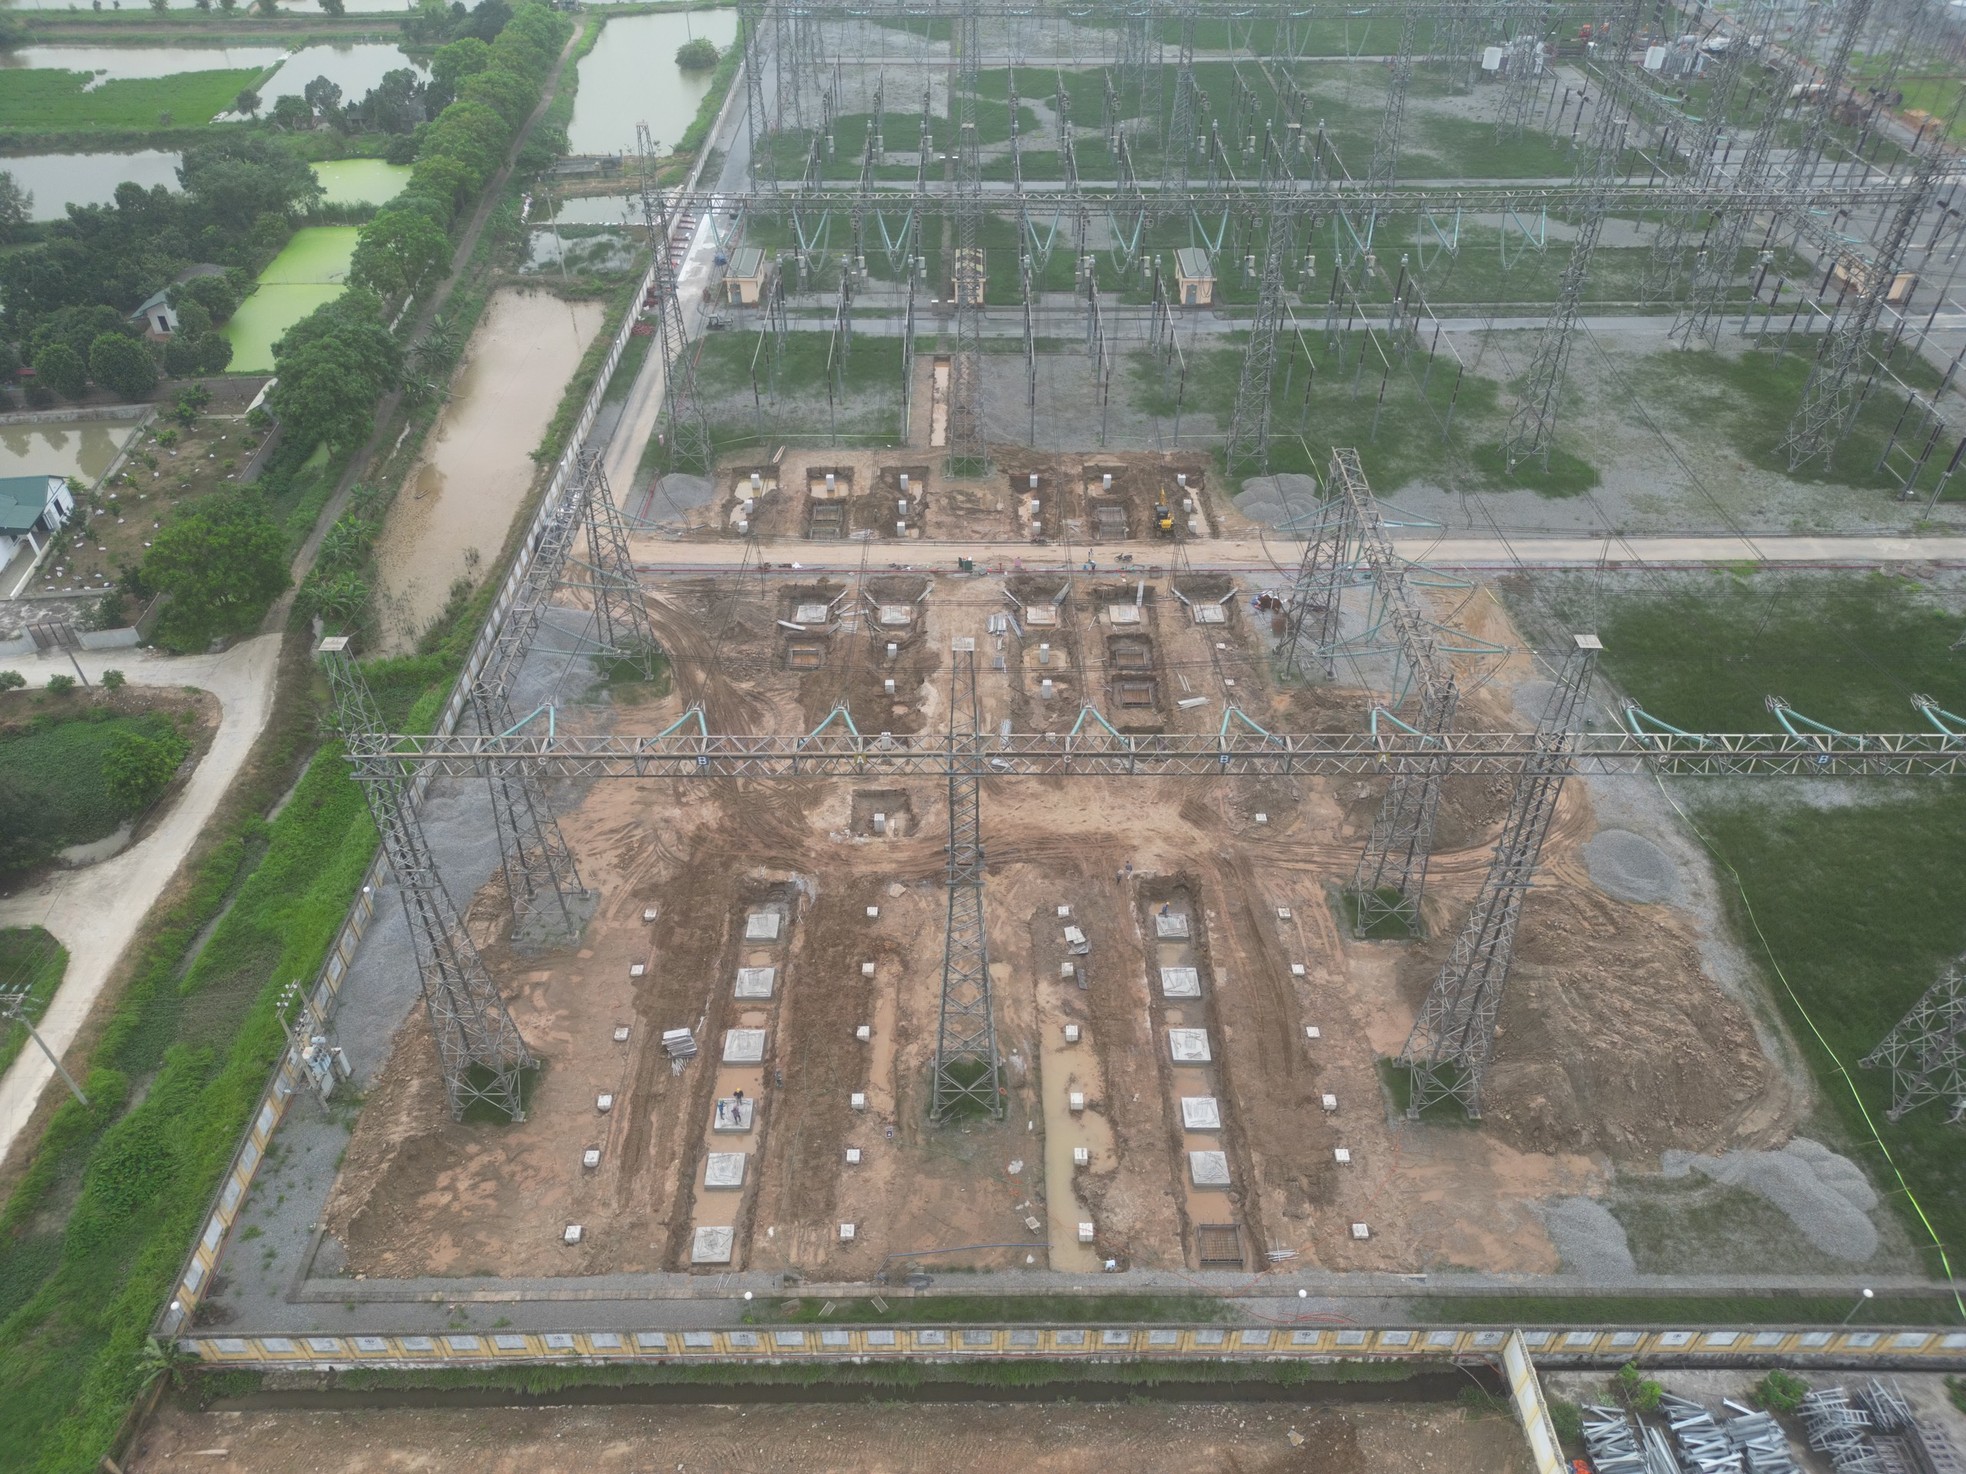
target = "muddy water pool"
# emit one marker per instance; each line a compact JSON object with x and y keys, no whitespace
{"x":457,"y":506}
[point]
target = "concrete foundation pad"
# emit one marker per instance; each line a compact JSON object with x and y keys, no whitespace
{"x":1180,"y":982}
{"x":1188,"y":1046}
{"x":1170,"y":927}
{"x":762,"y":926}
{"x":1208,"y":1169}
{"x":724,"y":1169}
{"x":1201,"y":1113}
{"x":733,"y":1115}
{"x":756,"y":982}
{"x":811,"y":614}
{"x":1123,"y":614}
{"x":713,"y":1245}
{"x":744,"y":1046}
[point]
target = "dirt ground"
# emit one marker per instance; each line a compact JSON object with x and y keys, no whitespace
{"x":1613,"y":1044}
{"x":890,"y":1438}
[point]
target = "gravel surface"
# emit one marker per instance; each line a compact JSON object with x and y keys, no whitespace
{"x":1823,"y":1194}
{"x":1277,"y":500}
{"x":1629,"y":867}
{"x":1591,"y":1242}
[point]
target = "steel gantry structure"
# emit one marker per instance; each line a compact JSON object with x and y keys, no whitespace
{"x":1283,"y":167}
{"x":966,"y":1065}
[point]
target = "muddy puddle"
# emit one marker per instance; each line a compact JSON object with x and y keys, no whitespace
{"x":454,"y":512}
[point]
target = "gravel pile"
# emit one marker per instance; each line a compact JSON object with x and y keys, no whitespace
{"x":1826,"y":1196}
{"x":1629,"y":867}
{"x":1590,"y":1241}
{"x":677,"y":492}
{"x":1277,"y":500}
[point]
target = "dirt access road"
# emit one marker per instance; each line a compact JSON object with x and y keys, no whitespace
{"x":95,"y":911}
{"x":891,"y":1438}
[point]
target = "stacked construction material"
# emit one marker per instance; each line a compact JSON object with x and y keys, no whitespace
{"x":1760,"y":1441}
{"x":679,"y":1043}
{"x":1839,"y":1427}
{"x":1702,"y":1445}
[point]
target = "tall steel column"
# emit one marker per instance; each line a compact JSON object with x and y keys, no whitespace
{"x":1532,"y":429}
{"x":966,"y":1069}
{"x":1522,"y":49}
{"x":968,"y":456}
{"x":1835,"y":389}
{"x":1384,"y":168}
{"x":1808,"y":155}
{"x":1926,"y":1051}
{"x":1248,"y":453}
{"x":1453,"y":1040}
{"x":758,"y":124}
{"x":478,"y":1046}
{"x":1178,"y":146}
{"x":689,"y":434}
{"x":541,"y":880}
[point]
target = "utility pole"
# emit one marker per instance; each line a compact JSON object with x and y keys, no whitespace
{"x":479,"y":1048}
{"x":13,"y":1007}
{"x":966,"y":1069}
{"x":1453,"y":1040}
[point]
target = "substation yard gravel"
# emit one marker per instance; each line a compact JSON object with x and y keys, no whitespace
{"x":1615,"y":1045}
{"x":879,"y":1438}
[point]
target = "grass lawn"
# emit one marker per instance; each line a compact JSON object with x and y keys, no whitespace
{"x":1851,"y":910}
{"x":60,"y":761}
{"x":31,"y":962}
{"x":39,"y":98}
{"x":993,"y":1310}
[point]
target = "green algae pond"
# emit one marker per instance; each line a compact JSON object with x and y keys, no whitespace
{"x":313,"y":269}
{"x":360,"y":181}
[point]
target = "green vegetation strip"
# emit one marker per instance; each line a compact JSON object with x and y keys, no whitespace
{"x":994,"y":1310}
{"x":1683,"y":1310}
{"x":176,"y":1075}
{"x":44,"y":99}
{"x":58,"y":760}
{"x":31,"y":964}
{"x":1852,"y":907}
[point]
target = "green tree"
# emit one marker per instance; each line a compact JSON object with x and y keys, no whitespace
{"x":399,"y":251}
{"x":237,"y":178}
{"x":136,"y":768}
{"x":508,"y":94}
{"x":246,"y":103}
{"x":114,"y":680}
{"x":334,"y":7}
{"x":61,"y":685}
{"x":292,"y":114}
{"x":16,"y":207}
{"x":450,"y":65}
{"x":11,"y":680}
{"x":122,"y":365}
{"x":698,"y":55}
{"x":222,"y":561}
{"x":59,"y":368}
{"x":332,"y":366}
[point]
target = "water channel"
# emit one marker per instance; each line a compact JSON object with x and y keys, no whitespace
{"x":452,"y":515}
{"x":52,"y":447}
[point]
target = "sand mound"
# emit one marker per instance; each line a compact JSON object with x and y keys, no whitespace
{"x":1277,"y":500}
{"x":1824,"y":1195}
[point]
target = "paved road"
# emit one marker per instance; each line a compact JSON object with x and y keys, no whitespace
{"x":1267,"y":554}
{"x":95,"y":911}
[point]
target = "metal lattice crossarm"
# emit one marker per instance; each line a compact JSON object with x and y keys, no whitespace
{"x":1239,"y":751}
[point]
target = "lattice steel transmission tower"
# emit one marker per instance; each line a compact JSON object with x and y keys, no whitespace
{"x":968,"y":456}
{"x":1453,"y":1040}
{"x":541,"y":881}
{"x":1180,"y":139}
{"x":1532,"y":429}
{"x":966,"y":1069}
{"x":1384,"y":168}
{"x":1312,"y":615}
{"x":1808,"y":154}
{"x":1391,"y":876}
{"x":621,"y":615}
{"x":483,"y":1057}
{"x":759,"y":126}
{"x":1522,"y":48}
{"x":1835,"y":389}
{"x":1926,"y":1051}
{"x":1249,"y":429}
{"x":689,"y":433}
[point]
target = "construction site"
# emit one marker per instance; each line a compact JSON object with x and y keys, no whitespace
{"x":1007,"y":792}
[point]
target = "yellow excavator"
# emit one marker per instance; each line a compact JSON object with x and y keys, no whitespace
{"x":1163,"y":519}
